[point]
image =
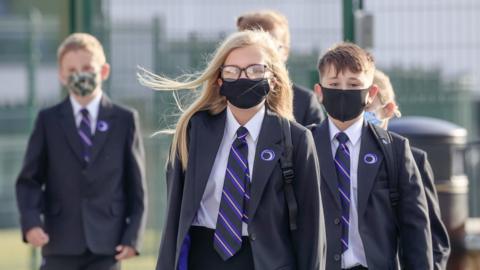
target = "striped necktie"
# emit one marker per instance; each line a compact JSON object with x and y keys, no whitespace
{"x":85,"y":132}
{"x":342,"y":164}
{"x":235,"y":196}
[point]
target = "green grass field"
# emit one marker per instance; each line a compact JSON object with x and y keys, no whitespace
{"x":15,"y":255}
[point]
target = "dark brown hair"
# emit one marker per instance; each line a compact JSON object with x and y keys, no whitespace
{"x":346,"y":56}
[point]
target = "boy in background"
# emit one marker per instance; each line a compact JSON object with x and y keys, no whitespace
{"x":81,"y":190}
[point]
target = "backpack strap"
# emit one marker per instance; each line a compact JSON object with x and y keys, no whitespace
{"x":288,"y":173}
{"x":385,"y":141}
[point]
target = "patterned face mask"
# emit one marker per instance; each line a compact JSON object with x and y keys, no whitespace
{"x":82,"y":83}
{"x":372,"y":118}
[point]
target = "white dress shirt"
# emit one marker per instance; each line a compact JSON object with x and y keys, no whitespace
{"x":355,"y":254}
{"x":209,"y":206}
{"x":93,"y":107}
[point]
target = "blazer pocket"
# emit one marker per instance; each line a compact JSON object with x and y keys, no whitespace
{"x":53,"y":209}
{"x":117,"y":208}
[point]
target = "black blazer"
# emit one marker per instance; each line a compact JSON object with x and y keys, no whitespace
{"x":440,"y":240}
{"x":273,"y":246}
{"x":376,"y":217}
{"x":95,"y":207}
{"x":306,"y":108}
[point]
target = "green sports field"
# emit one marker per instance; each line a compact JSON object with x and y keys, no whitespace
{"x":15,"y":255}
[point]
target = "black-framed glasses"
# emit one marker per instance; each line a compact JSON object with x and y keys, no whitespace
{"x":231,"y":73}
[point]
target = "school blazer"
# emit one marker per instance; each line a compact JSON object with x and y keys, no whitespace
{"x":273,"y":246}
{"x":440,"y":239}
{"x":306,"y":108}
{"x":376,"y":217}
{"x":98,"y":206}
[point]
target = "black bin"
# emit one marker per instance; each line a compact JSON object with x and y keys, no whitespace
{"x":445,"y":144}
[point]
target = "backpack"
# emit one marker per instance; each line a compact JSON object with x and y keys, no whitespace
{"x":385,"y":140}
{"x":288,"y":173}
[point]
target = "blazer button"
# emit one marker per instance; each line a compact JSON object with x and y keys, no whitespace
{"x":336,"y":221}
{"x":253,"y":237}
{"x":336,"y":257}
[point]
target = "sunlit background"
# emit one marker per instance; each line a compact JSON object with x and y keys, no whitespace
{"x":429,"y":48}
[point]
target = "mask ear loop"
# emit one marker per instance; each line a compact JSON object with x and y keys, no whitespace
{"x":251,"y":88}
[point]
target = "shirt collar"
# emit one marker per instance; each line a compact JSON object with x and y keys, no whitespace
{"x":354,"y":132}
{"x":92,"y":107}
{"x":253,"y":125}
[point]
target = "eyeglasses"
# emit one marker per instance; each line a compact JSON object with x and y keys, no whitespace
{"x":232,"y":73}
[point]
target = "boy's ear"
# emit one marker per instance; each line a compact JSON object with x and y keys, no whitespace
{"x":318,"y":91}
{"x":389,"y":109}
{"x":105,"y":71}
{"x":220,"y":82}
{"x":372,"y":93}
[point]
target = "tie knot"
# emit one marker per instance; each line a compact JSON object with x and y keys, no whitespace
{"x":342,"y":137}
{"x":242,"y":132}
{"x":84,"y":112}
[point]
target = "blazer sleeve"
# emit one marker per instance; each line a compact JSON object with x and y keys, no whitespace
{"x":31,"y":179}
{"x":414,"y":224}
{"x":314,"y":113}
{"x":309,"y":238}
{"x":136,"y":185}
{"x":168,"y":244}
{"x":440,"y":240}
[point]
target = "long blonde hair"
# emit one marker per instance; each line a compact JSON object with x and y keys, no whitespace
{"x":279,"y":99}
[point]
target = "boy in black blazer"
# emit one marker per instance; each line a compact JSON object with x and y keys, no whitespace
{"x":81,"y":190}
{"x":363,"y":228}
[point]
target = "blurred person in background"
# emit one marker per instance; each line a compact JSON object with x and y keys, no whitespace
{"x":379,"y":112}
{"x":306,"y":107}
{"x":81,"y":190}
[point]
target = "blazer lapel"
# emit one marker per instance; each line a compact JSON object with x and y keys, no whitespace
{"x":69,"y":126}
{"x":325,"y":157}
{"x":104,"y":126}
{"x":269,"y":140}
{"x":207,"y":142}
{"x":369,"y":162}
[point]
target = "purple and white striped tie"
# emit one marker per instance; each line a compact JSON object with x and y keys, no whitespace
{"x":85,"y":132}
{"x":235,"y":197}
{"x":342,"y":164}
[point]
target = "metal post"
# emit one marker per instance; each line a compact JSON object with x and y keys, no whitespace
{"x":87,"y":16}
{"x":72,"y":20}
{"x":348,"y":21}
{"x":349,"y":8}
{"x":34,"y":21}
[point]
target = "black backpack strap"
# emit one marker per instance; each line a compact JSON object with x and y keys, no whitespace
{"x":288,"y":173}
{"x":385,"y":141}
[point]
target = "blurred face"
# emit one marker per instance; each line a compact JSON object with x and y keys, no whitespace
{"x":76,"y":61}
{"x":278,"y":35}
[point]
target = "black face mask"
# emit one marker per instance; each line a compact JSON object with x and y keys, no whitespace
{"x":245,"y":93}
{"x":344,"y":105}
